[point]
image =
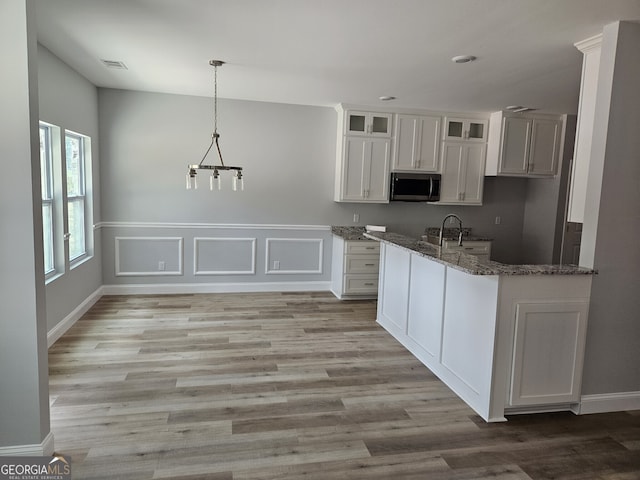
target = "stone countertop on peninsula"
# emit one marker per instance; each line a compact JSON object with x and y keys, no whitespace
{"x":469,"y":263}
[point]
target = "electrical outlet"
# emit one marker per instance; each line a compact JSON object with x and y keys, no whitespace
{"x":161,"y":266}
{"x":498,"y":220}
{"x":276,"y":264}
{"x":356,"y":217}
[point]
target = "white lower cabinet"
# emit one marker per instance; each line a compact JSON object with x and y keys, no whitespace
{"x":548,"y":349}
{"x":468,"y":335}
{"x":477,"y":248}
{"x":505,"y":344}
{"x":354,"y":269}
{"x":394,"y":287}
{"x":426,"y":294}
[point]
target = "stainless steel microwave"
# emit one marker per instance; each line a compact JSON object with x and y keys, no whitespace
{"x":415,"y":187}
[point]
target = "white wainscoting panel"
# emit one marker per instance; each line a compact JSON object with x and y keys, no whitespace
{"x":142,"y":256}
{"x":224,"y":256}
{"x":293,"y":255}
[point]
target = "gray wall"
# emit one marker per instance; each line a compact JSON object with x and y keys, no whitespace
{"x":288,"y":153}
{"x":612,"y":222}
{"x":544,"y":209}
{"x":69,"y":101}
{"x":24,"y":388}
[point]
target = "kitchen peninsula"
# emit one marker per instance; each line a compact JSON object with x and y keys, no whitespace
{"x":506,"y":338}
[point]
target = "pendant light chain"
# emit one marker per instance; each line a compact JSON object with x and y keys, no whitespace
{"x":215,"y":99}
{"x":216,"y":136}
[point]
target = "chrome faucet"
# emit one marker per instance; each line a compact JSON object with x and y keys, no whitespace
{"x":440,"y":240}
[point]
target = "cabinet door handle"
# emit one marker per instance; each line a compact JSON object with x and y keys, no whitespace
{"x":369,"y":284}
{"x":370,"y":248}
{"x":369,"y":264}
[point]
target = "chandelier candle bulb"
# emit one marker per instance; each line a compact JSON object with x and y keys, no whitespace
{"x":214,"y":181}
{"x":192,"y":181}
{"x":238,"y":182}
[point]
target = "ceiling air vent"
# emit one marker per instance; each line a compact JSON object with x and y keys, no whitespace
{"x":114,"y":64}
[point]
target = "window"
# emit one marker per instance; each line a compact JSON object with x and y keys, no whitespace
{"x":65,"y":173}
{"x":76,"y":199}
{"x":46,"y":179}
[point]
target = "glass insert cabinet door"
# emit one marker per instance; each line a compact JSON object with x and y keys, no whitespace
{"x":368,"y":123}
{"x":465,"y":129}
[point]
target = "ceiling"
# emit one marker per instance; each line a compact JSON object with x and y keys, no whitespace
{"x":324,"y":52}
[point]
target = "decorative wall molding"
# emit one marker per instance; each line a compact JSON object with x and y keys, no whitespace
{"x":251,"y":253}
{"x":67,"y":322}
{"x":124,"y":273}
{"x":227,"y":226}
{"x":609,"y":402}
{"x":241,"y":287}
{"x":269,"y":265}
{"x":44,"y":448}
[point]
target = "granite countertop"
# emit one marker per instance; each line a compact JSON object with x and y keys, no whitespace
{"x":349,"y":233}
{"x":469,"y":263}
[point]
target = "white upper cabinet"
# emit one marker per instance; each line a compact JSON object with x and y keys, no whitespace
{"x":462,"y":173}
{"x":363,"y":160}
{"x":544,"y":151}
{"x":371,"y":124}
{"x":417,"y":142}
{"x":524,"y":145}
{"x":364,"y":170}
{"x":516,"y":139}
{"x":465,"y":129}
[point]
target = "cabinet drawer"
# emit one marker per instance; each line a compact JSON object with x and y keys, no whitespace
{"x":362,"y":246}
{"x":470,"y":247}
{"x":360,"y":284}
{"x":361,"y":263}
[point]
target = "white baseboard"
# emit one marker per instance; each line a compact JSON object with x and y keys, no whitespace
{"x":186,"y":288}
{"x":609,"y":402}
{"x":44,"y":448}
{"x":66,"y":323}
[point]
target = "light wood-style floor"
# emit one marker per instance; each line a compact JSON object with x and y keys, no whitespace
{"x":290,"y":386}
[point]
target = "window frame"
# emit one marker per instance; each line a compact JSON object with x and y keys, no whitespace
{"x":48,"y":199}
{"x":77,"y":197}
